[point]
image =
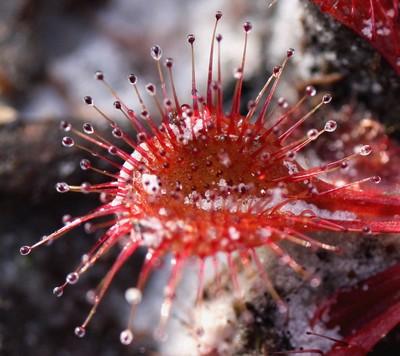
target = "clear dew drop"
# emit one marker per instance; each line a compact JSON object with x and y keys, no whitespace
{"x":365,"y":150}
{"x":156,"y":52}
{"x":276,"y":71}
{"x":25,"y":250}
{"x":117,"y":133}
{"x":315,"y":282}
{"x":376,"y":179}
{"x":238,"y":73}
{"x":132,"y":79}
{"x":126,"y":337}
{"x":112,"y":150}
{"x":85,"y":187}
{"x":89,"y":228}
{"x":67,"y":141}
{"x":99,"y":75}
{"x":312,"y":134}
{"x":62,"y":187}
{"x":151,"y":89}
{"x":80,"y":331}
{"x":58,"y":291}
{"x":290,"y":52}
{"x":311,"y":91}
{"x":88,"y":100}
{"x":330,"y":126}
{"x":72,"y":278}
{"x":133,"y":295}
{"x":141,"y":137}
{"x":366,"y":230}
{"x":327,"y":98}
{"x":191,"y":38}
{"x":291,"y":155}
{"x":88,"y":128}
{"x":85,"y":164}
{"x":66,"y":219}
{"x":247,"y":26}
{"x":168,"y":105}
{"x":283,"y":103}
{"x":169,"y":62}
{"x":65,"y":126}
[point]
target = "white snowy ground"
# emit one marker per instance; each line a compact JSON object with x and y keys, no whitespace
{"x":216,"y":327}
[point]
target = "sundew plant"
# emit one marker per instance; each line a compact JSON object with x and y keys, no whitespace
{"x":214,"y":176}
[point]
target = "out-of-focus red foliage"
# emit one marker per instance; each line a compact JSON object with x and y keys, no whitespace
{"x":365,"y":313}
{"x":357,"y":127}
{"x":377,"y":21}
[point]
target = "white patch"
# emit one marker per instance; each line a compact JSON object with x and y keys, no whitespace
{"x":127,"y":166}
{"x":123,"y":174}
{"x":187,"y":135}
{"x":275,"y":197}
{"x":212,"y":233}
{"x":224,"y":159}
{"x":117,"y":200}
{"x":198,"y":125}
{"x":234,"y":234}
{"x":264,"y":233}
{"x":163,"y":212}
{"x":151,"y":183}
{"x":390,"y":13}
{"x":222,"y":184}
{"x":299,"y":206}
{"x":367,"y":29}
{"x":234,"y":204}
{"x":384,"y":31}
{"x":151,"y":231}
{"x":214,"y":321}
{"x":127,"y":172}
{"x":230,"y":203}
{"x":292,"y":167}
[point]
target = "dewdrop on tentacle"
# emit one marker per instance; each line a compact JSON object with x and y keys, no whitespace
{"x":197,"y":181}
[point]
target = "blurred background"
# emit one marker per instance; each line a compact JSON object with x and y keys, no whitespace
{"x":49,"y":52}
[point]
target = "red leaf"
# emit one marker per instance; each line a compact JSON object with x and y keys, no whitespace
{"x":377,"y":21}
{"x":365,"y":313}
